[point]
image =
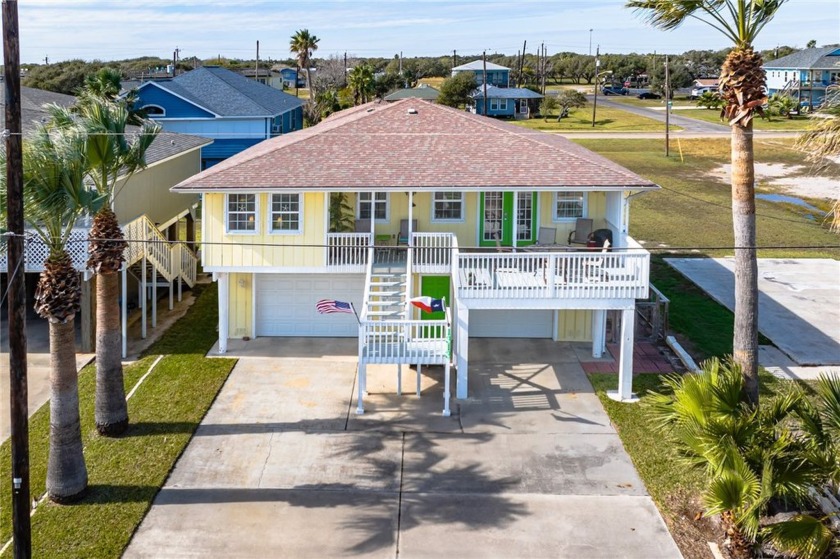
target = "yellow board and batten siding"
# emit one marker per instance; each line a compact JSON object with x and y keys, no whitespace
{"x":264,"y":248}
{"x":241,"y":299}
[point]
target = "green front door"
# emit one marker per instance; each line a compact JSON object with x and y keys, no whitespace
{"x":502,"y":219}
{"x":436,"y":287}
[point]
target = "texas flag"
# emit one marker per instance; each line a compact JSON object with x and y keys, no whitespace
{"x":427,"y":304}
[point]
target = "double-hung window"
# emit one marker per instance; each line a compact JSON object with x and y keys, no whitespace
{"x":494,"y":104}
{"x":380,"y":205}
{"x":448,"y":206}
{"x":286,"y":213}
{"x":569,"y":205}
{"x":241,"y":213}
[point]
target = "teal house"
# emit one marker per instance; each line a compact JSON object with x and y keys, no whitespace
{"x":496,"y":75}
{"x":505,"y":102}
{"x":806,"y":74}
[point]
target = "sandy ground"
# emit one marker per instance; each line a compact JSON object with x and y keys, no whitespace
{"x":798,"y":180}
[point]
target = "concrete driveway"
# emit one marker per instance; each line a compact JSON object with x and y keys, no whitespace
{"x":528,"y":466}
{"x":798,"y":302}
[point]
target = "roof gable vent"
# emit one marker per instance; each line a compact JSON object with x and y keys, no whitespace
{"x":412,"y":111}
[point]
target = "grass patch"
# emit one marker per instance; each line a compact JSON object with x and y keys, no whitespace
{"x":652,"y":103}
{"x":692,"y":213}
{"x":607,"y":119}
{"x":125,"y":474}
{"x":796,"y":124}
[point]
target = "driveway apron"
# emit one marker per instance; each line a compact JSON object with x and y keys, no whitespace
{"x":528,"y":466}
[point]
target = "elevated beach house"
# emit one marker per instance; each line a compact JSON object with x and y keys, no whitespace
{"x":446,"y":204}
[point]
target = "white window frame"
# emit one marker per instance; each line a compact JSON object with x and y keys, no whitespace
{"x":567,"y":219}
{"x":494,"y":103}
{"x":162,"y":112}
{"x":272,"y":213}
{"x":462,"y":200}
{"x":387,"y":218}
{"x":503,"y":104}
{"x":256,"y":212}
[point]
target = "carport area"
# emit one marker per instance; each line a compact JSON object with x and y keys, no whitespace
{"x":281,"y":466}
{"x":798,"y":306}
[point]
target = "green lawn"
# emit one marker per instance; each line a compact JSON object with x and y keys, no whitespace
{"x":126,"y":473}
{"x":633,"y":100}
{"x":607,"y":119}
{"x":796,"y":124}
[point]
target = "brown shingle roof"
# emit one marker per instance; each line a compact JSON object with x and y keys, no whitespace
{"x":387,"y":146}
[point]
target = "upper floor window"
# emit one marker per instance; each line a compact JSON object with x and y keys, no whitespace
{"x":448,"y":206}
{"x":241,"y":213}
{"x":286,"y":213}
{"x":569,"y":205}
{"x":153,"y":110}
{"x":380,"y":205}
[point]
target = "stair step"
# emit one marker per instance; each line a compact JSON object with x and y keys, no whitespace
{"x":387,"y":284}
{"x":385,"y":303}
{"x":396,"y":314}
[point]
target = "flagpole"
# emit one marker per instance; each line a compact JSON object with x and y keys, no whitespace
{"x":355,"y":313}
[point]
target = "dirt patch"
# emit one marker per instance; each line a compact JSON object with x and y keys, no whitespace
{"x":690,"y":529}
{"x":799,"y":180}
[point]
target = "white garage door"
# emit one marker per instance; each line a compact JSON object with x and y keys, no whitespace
{"x":510,"y":324}
{"x":285,"y":304}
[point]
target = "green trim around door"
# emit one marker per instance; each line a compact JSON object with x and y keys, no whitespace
{"x":496,"y":214}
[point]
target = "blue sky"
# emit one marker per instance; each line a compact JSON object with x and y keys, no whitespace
{"x":108,"y":29}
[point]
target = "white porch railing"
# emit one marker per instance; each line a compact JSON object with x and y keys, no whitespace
{"x":348,"y":252}
{"x":35,"y":251}
{"x":553,"y":275}
{"x":432,"y":252}
{"x":173,"y":260}
{"x":425,"y":342}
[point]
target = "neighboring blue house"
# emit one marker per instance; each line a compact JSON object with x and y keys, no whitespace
{"x":805,"y":74}
{"x":236,"y":112}
{"x":496,"y":75}
{"x":291,"y":78}
{"x":508,"y":102}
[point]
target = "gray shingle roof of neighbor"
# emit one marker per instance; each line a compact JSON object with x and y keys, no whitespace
{"x":166,"y":145}
{"x":422,"y":91}
{"x":414,"y":145}
{"x":494,"y":92}
{"x":478,"y":65}
{"x":227,"y":93}
{"x":817,"y":58}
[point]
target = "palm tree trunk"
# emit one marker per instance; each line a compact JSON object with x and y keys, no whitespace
{"x":111,"y":407}
{"x":745,"y":340}
{"x":66,"y":470}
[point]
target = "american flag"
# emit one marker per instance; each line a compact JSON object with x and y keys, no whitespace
{"x":329,"y":306}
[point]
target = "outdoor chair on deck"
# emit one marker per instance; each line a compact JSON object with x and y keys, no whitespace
{"x":403,"y":238}
{"x":362,"y":226}
{"x":580,"y":236}
{"x":547,"y":236}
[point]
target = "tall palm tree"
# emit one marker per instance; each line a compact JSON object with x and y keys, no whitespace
{"x":741,"y":85}
{"x":113,"y":152}
{"x":303,"y":44}
{"x":361,"y":82}
{"x":54,"y":163}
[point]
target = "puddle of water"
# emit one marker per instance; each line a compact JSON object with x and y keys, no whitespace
{"x":789,"y":200}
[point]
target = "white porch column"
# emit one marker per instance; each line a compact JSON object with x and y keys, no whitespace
{"x":154,"y":297}
{"x":463,"y":341}
{"x":515,"y":219}
{"x":625,"y":364}
{"x":409,"y":255}
{"x":599,"y":332}
{"x":124,"y":310}
{"x":171,"y":293}
{"x":224,"y":295}
{"x":360,"y":407}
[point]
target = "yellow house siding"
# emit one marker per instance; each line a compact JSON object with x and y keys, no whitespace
{"x":596,"y":209}
{"x":574,"y":325}
{"x":241,"y":308}
{"x":265,"y":248}
{"x":147,"y":191}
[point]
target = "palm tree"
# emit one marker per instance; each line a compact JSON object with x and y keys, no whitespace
{"x":113,"y":153}
{"x":741,"y":85}
{"x":361,"y":82}
{"x":54,"y":163}
{"x":303,"y":44}
{"x":751,"y":456}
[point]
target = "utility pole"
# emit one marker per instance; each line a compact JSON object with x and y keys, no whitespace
{"x":522,"y":63}
{"x":401,"y":63}
{"x":454,"y":58}
{"x":18,"y":389}
{"x":484,"y":60}
{"x":257,"y":64}
{"x":667,"y":109}
{"x":544,"y":67}
{"x":47,"y":58}
{"x":595,"y":101}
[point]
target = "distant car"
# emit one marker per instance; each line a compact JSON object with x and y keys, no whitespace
{"x":698,"y":91}
{"x":614,"y":90}
{"x":649,"y":95}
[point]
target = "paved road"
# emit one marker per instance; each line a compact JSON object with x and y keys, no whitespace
{"x":528,"y":466}
{"x":689,"y":125}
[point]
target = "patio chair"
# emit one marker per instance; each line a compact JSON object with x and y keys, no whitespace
{"x":580,"y":236}
{"x":546,"y":236}
{"x":403,"y":238}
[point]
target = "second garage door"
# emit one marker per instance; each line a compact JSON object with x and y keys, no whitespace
{"x":510,"y":324}
{"x":285,"y":304}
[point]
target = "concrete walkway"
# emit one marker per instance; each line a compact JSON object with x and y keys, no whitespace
{"x":528,"y":466}
{"x":798,"y":305}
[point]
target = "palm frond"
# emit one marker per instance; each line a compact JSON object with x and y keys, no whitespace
{"x":803,"y":536}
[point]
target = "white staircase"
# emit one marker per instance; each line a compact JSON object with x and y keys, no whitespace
{"x":386,"y":296}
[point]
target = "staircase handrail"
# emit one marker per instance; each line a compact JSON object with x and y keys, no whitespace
{"x":368,"y":275}
{"x":408,"y":278}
